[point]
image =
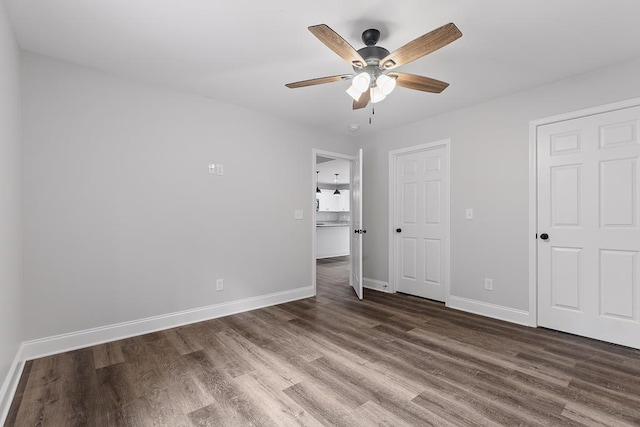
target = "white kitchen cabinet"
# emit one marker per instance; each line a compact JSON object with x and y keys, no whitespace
{"x":344,"y":201}
{"x":329,"y":202}
{"x":324,"y":200}
{"x":332,"y":241}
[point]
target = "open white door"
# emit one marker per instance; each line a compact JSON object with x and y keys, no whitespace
{"x":356,"y":225}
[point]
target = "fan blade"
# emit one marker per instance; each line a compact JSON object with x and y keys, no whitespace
{"x":319,"y":81}
{"x":425,"y":84}
{"x":363,"y":101}
{"x":422,"y":46}
{"x":337,"y":44}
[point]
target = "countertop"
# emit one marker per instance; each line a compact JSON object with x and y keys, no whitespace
{"x":332,"y":224}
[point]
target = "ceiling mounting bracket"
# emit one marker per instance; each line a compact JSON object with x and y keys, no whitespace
{"x":370,"y":37}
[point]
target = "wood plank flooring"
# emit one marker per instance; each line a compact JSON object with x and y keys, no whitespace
{"x":333,"y":360}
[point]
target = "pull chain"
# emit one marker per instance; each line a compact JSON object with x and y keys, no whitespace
{"x":373,"y":108}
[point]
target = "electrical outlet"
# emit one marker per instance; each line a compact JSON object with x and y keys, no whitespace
{"x":488,"y":284}
{"x":219,"y":284}
{"x":220,"y":169}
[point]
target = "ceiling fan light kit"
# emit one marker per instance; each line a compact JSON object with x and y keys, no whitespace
{"x":386,"y":83}
{"x":373,"y":81}
{"x":354,"y":93}
{"x":361,"y":82}
{"x":377,"y":95}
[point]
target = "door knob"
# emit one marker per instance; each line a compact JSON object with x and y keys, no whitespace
{"x":544,"y":236}
{"x":398,"y":230}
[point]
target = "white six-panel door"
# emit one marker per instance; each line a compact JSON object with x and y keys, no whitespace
{"x":421,"y":220}
{"x":588,"y":195}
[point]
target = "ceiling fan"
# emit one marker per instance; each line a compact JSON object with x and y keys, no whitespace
{"x":374,"y":79}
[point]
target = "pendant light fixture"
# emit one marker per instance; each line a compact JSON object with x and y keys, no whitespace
{"x":317,"y":188}
{"x":337,"y":192}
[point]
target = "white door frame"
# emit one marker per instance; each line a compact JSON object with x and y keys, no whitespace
{"x":393,"y":155}
{"x":533,"y":189}
{"x":315,"y":153}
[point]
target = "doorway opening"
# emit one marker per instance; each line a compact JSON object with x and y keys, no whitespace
{"x":332,"y":223}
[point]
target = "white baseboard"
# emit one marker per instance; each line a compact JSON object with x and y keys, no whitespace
{"x":72,"y":341}
{"x":508,"y":314}
{"x":10,"y":384}
{"x":377,"y":285}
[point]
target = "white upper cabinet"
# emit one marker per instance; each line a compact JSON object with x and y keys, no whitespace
{"x":333,"y":174}
{"x":328,"y":202}
{"x":344,"y":201}
{"x":333,"y":203}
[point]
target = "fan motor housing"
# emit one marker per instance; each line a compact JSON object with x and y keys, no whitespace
{"x":373,"y":54}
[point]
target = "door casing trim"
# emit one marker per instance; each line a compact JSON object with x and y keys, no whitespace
{"x":393,"y":155}
{"x":533,"y":188}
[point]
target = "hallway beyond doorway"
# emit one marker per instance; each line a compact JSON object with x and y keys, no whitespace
{"x":332,"y":275}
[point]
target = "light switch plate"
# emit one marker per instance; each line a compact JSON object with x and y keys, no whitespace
{"x":469,"y":213}
{"x":220,"y":169}
{"x":212,"y":168}
{"x":297,"y":214}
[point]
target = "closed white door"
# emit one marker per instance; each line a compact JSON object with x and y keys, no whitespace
{"x":421,"y":220}
{"x":588,"y":219}
{"x":357,"y":229}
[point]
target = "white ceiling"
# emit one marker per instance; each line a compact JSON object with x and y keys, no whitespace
{"x":244,"y":51}
{"x":327,"y":171}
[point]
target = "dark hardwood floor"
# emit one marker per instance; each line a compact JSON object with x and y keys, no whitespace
{"x":333,"y":360}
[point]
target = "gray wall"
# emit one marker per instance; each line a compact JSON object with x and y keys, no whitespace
{"x":10,"y":199}
{"x":489,"y":172}
{"x":122,"y":220}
